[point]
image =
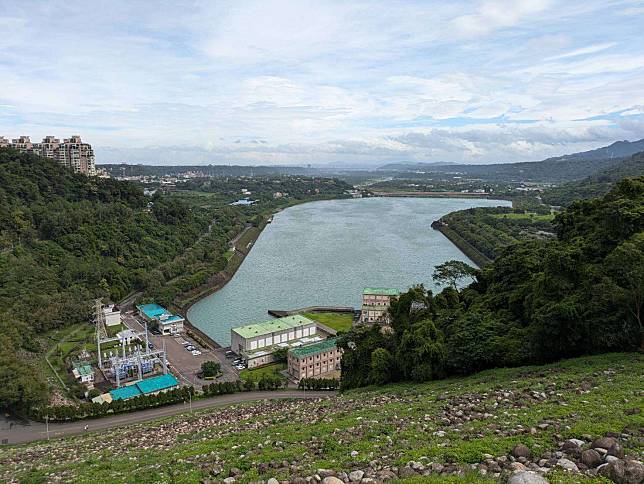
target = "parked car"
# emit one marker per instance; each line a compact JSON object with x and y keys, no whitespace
{"x":196,"y":352}
{"x":151,"y":346}
{"x":190,"y":348}
{"x":155,"y":331}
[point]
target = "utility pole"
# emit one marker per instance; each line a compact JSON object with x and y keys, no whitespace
{"x":47,"y":422}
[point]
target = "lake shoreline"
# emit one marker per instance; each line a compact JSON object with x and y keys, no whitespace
{"x":236,"y":311}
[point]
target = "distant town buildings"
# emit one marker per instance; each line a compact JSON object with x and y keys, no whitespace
{"x":375,"y":304}
{"x":71,"y":152}
{"x":317,"y":360}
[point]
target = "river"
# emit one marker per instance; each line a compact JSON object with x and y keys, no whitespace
{"x":324,"y":254}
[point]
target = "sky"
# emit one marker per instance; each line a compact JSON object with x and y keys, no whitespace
{"x":315,"y":82}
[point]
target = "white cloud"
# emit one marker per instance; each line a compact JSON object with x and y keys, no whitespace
{"x":319,"y":81}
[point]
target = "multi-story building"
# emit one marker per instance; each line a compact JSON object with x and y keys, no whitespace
{"x":258,"y":343}
{"x":317,"y":360}
{"x":72,"y":152}
{"x":375,"y":304}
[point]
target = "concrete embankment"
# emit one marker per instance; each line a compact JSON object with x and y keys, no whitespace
{"x":463,"y":245}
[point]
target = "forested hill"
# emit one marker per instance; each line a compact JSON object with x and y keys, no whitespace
{"x":555,"y":170}
{"x":595,"y":185}
{"x":64,"y":240}
{"x":581,"y":293}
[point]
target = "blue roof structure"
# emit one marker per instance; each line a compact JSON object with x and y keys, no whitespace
{"x":157,"y":383}
{"x":144,"y":387}
{"x":152,"y":310}
{"x":124,"y":393}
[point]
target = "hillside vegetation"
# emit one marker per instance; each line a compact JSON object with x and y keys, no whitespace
{"x":66,"y":239}
{"x":581,"y":293}
{"x":595,"y":185}
{"x":458,"y":430}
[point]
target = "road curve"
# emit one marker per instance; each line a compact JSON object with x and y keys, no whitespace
{"x":16,"y":432}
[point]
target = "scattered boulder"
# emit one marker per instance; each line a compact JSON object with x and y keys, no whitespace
{"x":354,"y":453}
{"x":234,"y":472}
{"x":229,"y":480}
{"x":527,"y":477}
{"x":567,"y":465}
{"x":616,"y":450}
{"x":272,"y":480}
{"x":332,"y":480}
{"x":520,"y":450}
{"x":591,"y":458}
{"x":325,"y":473}
{"x":299,"y":480}
{"x":356,"y":476}
{"x":603,"y":442}
{"x":624,"y":472}
{"x":405,"y":472}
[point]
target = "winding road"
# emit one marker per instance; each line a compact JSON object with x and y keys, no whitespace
{"x":14,"y":431}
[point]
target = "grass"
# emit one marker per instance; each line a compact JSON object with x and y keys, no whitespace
{"x":535,"y":217}
{"x":392,"y":424}
{"x":256,"y":374}
{"x":337,"y":321}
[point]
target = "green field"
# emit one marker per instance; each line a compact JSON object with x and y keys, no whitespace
{"x":337,"y":321}
{"x":273,"y":369}
{"x":536,"y":406}
{"x":534,"y":217}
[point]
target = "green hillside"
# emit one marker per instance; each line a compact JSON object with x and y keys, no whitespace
{"x":458,"y":430}
{"x":595,"y":185}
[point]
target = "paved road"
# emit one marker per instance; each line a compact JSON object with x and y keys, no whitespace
{"x":17,"y":432}
{"x":184,"y":364}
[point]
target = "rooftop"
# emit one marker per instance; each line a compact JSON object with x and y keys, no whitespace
{"x":85,"y":370}
{"x":126,"y":392}
{"x":273,"y":326}
{"x":170,"y":319}
{"x":308,"y":350}
{"x":380,"y":291}
{"x":157,"y":383}
{"x":152,"y":310}
{"x":149,"y":385}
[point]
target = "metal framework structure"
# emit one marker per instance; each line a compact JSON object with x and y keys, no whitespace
{"x":120,"y":365}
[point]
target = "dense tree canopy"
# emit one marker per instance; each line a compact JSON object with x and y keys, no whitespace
{"x":540,"y":301}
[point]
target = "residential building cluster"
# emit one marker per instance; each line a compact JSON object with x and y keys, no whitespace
{"x":71,"y":152}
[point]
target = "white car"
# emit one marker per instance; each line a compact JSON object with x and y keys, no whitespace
{"x":196,"y":352}
{"x":240,"y":367}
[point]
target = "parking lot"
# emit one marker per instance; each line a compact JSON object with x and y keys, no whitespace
{"x":182,"y":362}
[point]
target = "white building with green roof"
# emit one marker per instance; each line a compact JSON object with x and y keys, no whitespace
{"x":375,"y":304}
{"x":256,"y":343}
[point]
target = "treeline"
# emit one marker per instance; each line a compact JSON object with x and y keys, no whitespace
{"x":66,"y":413}
{"x":319,"y":384}
{"x":581,"y":293}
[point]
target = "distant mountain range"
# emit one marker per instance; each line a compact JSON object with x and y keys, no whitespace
{"x":560,"y":169}
{"x":597,"y":184}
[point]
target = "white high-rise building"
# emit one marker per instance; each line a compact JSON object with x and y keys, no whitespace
{"x":72,"y":152}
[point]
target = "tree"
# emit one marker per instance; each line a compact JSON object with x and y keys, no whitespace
{"x":210,"y":369}
{"x":452,"y":271}
{"x":381,"y":366}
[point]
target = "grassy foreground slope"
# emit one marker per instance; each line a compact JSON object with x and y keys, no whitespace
{"x":445,"y":427}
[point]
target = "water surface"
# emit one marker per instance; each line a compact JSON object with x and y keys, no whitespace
{"x":324,"y":254}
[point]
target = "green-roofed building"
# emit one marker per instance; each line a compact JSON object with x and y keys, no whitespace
{"x":257,"y":342}
{"x":316,"y":360}
{"x":375,"y":304}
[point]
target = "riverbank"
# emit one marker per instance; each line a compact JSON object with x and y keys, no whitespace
{"x":241,"y":245}
{"x":463,"y":245}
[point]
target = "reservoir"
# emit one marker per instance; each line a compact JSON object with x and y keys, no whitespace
{"x":324,"y":253}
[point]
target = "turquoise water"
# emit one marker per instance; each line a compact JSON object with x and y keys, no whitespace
{"x":325,"y":253}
